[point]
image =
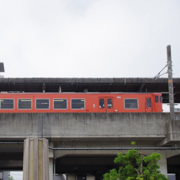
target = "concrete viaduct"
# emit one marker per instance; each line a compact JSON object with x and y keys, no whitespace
{"x":83,"y":145}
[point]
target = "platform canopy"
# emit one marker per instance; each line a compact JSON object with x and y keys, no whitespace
{"x":126,"y":85}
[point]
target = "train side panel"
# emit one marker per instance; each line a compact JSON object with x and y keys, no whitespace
{"x":79,"y":102}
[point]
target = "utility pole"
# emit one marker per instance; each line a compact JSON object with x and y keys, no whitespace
{"x":170,"y":82}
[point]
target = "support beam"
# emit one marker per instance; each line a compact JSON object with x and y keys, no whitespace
{"x":36,"y":159}
{"x":60,"y":89}
{"x":44,"y":87}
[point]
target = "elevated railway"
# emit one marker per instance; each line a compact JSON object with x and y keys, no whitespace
{"x":80,"y":141}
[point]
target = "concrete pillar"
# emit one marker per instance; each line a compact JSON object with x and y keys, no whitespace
{"x":5,"y":175}
{"x":71,"y":177}
{"x":90,"y":177}
{"x":51,"y":163}
{"x":163,"y":164}
{"x":36,"y":159}
{"x":50,"y":168}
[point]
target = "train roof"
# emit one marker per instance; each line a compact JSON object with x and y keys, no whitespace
{"x":68,"y":93}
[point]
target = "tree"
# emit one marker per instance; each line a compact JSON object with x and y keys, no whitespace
{"x":135,"y":166}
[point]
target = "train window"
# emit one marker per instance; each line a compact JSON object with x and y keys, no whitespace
{"x":24,"y":103}
{"x":6,"y":103}
{"x":101,"y":103}
{"x":161,"y":99}
{"x":109,"y":103}
{"x":42,"y":103}
{"x":131,"y":104}
{"x":156,"y":99}
{"x":60,"y":103}
{"x":77,"y":104}
{"x":148,"y":102}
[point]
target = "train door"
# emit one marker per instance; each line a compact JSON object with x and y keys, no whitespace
{"x":106,"y":104}
{"x":148,"y":104}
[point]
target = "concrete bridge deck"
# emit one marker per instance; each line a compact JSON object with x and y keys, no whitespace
{"x":144,"y":126}
{"x":85,"y":130}
{"x":18,"y":126}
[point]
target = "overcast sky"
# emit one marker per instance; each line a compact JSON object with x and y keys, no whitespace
{"x":88,"y":38}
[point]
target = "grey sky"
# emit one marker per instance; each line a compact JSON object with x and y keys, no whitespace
{"x":95,"y":38}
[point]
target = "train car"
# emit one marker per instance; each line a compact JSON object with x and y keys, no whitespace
{"x":80,"y":102}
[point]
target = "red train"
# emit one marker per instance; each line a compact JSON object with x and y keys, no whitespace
{"x":79,"y":102}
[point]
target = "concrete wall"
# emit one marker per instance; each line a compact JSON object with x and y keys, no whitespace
{"x":60,"y":177}
{"x":71,"y":177}
{"x":90,"y":177}
{"x":83,"y":125}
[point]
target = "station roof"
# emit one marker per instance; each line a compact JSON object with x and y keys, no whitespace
{"x":90,"y":85}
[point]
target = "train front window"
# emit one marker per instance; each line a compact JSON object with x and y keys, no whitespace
{"x":156,"y":99}
{"x":131,"y":104}
{"x":109,"y":103}
{"x":101,"y":103}
{"x":60,"y":104}
{"x":6,"y":104}
{"x":24,"y":103}
{"x":148,"y":102}
{"x":77,"y":104}
{"x":42,"y":103}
